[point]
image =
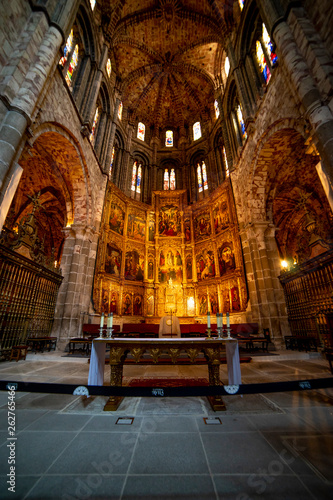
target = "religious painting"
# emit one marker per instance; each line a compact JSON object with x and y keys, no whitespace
{"x":226,"y":301}
{"x":170,"y":266}
{"x":202,"y":226}
{"x":221,"y":217}
{"x":134,"y":266}
{"x":205,"y":265}
{"x":105,"y":301}
{"x":112,"y":260}
{"x":187,"y":229}
{"x":113,"y":303}
{"x":150,"y":305}
{"x":203,"y":304}
{"x":169,"y":221}
{"x":226,"y":258}
{"x":214,"y":306}
{"x":150,"y":269}
{"x":136,"y":227}
{"x":235,"y":299}
{"x":189,"y":274}
{"x":127,"y":307}
{"x":151,"y":230}
{"x":117,"y":219}
{"x":137,"y":306}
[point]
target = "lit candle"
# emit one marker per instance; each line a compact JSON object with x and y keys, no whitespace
{"x":228,"y":320}
{"x":102,"y":321}
{"x":218,"y":320}
{"x":111,"y":320}
{"x":221,"y":323}
{"x":208,"y":319}
{"x":108,"y":321}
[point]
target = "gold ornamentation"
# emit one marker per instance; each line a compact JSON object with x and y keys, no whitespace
{"x":155,"y":353}
{"x":192,"y":354}
{"x":174,"y":353}
{"x":116,"y":353}
{"x":137,"y":352}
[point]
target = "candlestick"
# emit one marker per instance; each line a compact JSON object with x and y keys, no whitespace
{"x":102,"y":321}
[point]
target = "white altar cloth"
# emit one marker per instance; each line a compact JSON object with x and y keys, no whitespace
{"x":97,"y":360}
{"x":233,"y":362}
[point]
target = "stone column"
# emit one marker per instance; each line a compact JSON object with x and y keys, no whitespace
{"x":126,"y":169}
{"x":77,"y":265}
{"x":17,"y":109}
{"x":319,"y":115}
{"x":265,"y":292}
{"x":154,"y":143}
{"x":92,"y":100}
{"x":242,"y":91}
{"x":111,"y":138}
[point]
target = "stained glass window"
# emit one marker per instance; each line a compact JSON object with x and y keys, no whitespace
{"x":108,"y":67}
{"x":72,"y":65}
{"x":172,"y":180}
{"x":166,"y":180}
{"x":241,"y":4}
{"x":225,"y":161}
{"x":199,"y":178}
{"x":138,"y":180}
{"x":263,"y":66}
{"x":120,"y":110}
{"x":217,"y":109}
{"x":111,"y":162}
{"x":204,"y":176}
{"x":133,"y":176}
{"x":169,"y":138}
{"x":196,"y":131}
{"x":67,"y":49}
{"x":241,"y":122}
{"x":227,"y":66}
{"x":94,"y":126}
{"x":141,"y":131}
{"x":92,"y":4}
{"x":268,"y":44}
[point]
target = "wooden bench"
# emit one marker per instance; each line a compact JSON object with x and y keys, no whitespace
{"x":301,"y":343}
{"x":41,"y":343}
{"x":18,"y":352}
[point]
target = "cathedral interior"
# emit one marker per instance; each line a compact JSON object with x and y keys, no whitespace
{"x":166,"y":156}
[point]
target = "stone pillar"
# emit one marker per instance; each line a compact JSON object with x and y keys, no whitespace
{"x":266,"y":294}
{"x":242,"y":90}
{"x":126,"y":169}
{"x":154,"y":143}
{"x":319,"y":115}
{"x":110,"y":143}
{"x":20,"y":107}
{"x":92,"y":100}
{"x":77,"y":265}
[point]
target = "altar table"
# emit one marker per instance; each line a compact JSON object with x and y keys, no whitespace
{"x":174,"y":347}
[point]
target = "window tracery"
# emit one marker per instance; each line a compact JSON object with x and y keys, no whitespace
{"x":196,"y":131}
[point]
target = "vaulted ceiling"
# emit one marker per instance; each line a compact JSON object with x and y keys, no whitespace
{"x":168,"y":56}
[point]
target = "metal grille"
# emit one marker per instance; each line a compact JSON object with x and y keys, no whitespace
{"x":309,"y":297}
{"x":28,"y":293}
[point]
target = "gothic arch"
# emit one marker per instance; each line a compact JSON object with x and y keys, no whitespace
{"x":64,"y":165}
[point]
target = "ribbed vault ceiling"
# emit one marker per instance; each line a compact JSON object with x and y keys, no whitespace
{"x":167,"y":56}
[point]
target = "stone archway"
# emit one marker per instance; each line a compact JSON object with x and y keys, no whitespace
{"x":54,"y":167}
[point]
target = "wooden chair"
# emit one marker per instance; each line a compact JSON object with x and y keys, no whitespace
{"x":18,"y":352}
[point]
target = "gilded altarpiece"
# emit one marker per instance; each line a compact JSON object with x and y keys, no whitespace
{"x":169,"y":256}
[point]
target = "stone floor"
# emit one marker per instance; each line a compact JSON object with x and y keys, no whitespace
{"x":277,"y":445}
